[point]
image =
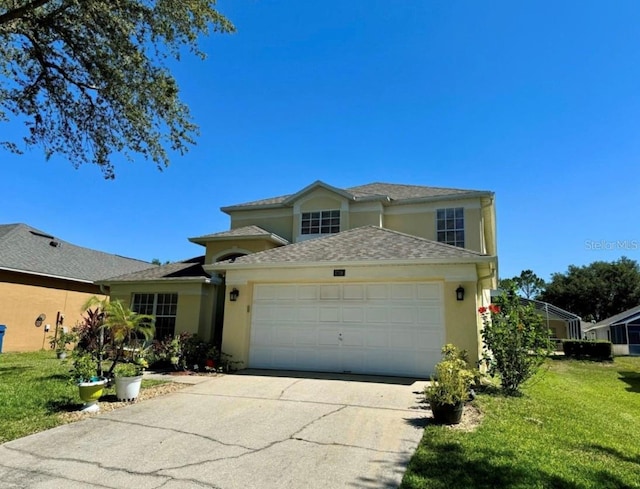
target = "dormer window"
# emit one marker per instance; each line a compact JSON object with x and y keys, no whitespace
{"x":450,"y":226}
{"x":320,"y":222}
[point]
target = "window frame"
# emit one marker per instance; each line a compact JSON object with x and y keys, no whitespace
{"x":450,"y":226}
{"x":320,"y":223}
{"x":152,"y":307}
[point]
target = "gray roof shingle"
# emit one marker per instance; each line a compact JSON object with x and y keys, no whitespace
{"x":383,"y":191}
{"x":360,"y":244}
{"x":183,"y":270}
{"x":30,"y":250}
{"x":239,"y":233}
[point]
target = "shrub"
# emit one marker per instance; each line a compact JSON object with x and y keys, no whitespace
{"x":454,"y":378}
{"x":588,"y":349}
{"x":515,"y":339}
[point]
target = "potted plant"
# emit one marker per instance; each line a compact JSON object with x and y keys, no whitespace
{"x":61,"y":342}
{"x":90,"y":385}
{"x":451,"y":389}
{"x":129,"y":379}
{"x":126,"y":329}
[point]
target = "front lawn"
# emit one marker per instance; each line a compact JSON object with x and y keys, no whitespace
{"x":576,"y":427}
{"x":35,"y":393}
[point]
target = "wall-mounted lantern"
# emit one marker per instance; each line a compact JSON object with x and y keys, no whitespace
{"x":233,"y":295}
{"x":460,"y":293}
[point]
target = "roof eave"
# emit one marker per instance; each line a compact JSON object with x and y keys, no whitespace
{"x":221,"y":266}
{"x":436,"y":198}
{"x":189,"y":280}
{"x":266,"y":237}
{"x":40,"y":274}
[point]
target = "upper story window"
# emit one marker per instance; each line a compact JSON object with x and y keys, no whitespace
{"x":320,"y":222}
{"x":450,"y":226}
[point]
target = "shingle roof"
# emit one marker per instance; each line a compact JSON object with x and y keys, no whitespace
{"x":391,"y":192}
{"x":247,"y":232}
{"x":360,"y":244}
{"x":634,"y":311}
{"x":183,"y":270}
{"x":30,"y":250}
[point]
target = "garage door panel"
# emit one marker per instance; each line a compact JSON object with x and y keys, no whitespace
{"x":306,"y":337}
{"x":282,"y":336}
{"x":352,"y":337}
{"x":378,"y":292}
{"x":403,"y":291}
{"x":353,"y":314}
{"x":309,"y":314}
{"x":329,"y":292}
{"x":307,"y":292}
{"x":406,"y":315}
{"x":429,"y":292}
{"x":376,"y":339}
{"x":377,"y":314}
{"x":328,"y":337}
{"x":330,"y":314}
{"x":286,"y":293}
{"x":430,"y":315}
{"x":376,"y":328}
{"x":354,"y":292}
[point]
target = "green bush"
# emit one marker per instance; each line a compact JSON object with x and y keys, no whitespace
{"x":588,"y":349}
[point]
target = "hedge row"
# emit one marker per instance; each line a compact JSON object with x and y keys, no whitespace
{"x":591,"y":349}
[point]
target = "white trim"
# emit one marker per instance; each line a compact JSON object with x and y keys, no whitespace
{"x":61,"y":277}
{"x":424,"y":208}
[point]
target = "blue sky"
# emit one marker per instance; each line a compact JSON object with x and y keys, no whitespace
{"x":536,"y":101}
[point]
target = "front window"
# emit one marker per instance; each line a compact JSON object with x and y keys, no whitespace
{"x":450,"y":226}
{"x":163,"y":306}
{"x":320,"y":222}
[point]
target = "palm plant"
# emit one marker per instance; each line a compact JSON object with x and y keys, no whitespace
{"x":127,"y":330}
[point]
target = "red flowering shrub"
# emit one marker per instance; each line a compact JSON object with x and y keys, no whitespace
{"x":515,"y":339}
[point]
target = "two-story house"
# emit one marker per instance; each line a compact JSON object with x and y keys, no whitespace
{"x":371,"y":279}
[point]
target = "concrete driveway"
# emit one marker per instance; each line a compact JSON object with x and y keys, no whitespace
{"x":254,"y":430}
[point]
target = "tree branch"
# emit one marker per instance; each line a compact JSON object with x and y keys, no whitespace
{"x":20,"y":12}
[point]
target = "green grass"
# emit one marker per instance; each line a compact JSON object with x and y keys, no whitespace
{"x":34,"y":390}
{"x":577,"y":426}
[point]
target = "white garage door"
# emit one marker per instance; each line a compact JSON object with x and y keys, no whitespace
{"x":369,"y":328}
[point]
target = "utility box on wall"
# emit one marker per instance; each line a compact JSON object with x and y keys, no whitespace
{"x":3,"y":328}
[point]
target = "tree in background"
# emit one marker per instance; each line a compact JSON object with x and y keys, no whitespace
{"x":528,"y":284}
{"x":596,"y":291}
{"x":89,"y":78}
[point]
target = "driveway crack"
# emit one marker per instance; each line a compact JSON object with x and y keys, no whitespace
{"x":288,"y":387}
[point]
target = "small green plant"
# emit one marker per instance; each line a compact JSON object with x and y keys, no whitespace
{"x":454,"y":378}
{"x":127,"y":370}
{"x":85,"y":368}
{"x":62,"y":341}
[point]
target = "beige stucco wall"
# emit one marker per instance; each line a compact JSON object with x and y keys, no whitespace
{"x":218,"y":249}
{"x":460,"y":317}
{"x":421,"y":221}
{"x":196,"y":303}
{"x":24,"y":297}
{"x":418,"y":219}
{"x":279,"y":222}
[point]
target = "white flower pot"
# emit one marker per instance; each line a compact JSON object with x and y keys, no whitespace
{"x":128,"y":388}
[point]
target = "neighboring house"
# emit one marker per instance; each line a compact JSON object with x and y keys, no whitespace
{"x":44,"y":282}
{"x":371,"y":279}
{"x":623,"y":330}
{"x":560,"y":323}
